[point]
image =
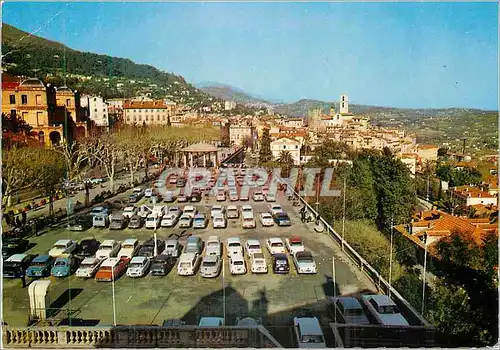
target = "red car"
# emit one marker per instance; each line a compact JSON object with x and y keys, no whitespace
{"x":111,"y":268}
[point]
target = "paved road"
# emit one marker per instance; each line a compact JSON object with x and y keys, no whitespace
{"x":150,"y":300}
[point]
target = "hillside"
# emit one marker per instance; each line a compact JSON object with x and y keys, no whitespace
{"x":90,"y":72}
{"x":229,"y":93}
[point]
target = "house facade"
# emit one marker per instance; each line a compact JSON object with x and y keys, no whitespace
{"x":288,"y":145}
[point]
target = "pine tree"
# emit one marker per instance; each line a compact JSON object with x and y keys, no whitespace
{"x":265,"y":154}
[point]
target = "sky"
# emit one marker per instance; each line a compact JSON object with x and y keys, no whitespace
{"x":413,"y":55}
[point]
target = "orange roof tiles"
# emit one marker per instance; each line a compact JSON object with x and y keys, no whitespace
{"x":470,"y":191}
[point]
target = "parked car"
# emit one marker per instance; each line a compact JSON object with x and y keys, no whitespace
{"x":117,"y":222}
{"x":221,"y":195}
{"x":308,"y":332}
{"x":139,"y":192}
{"x":148,"y":248}
{"x":128,"y":212}
{"x":63,"y":246}
{"x":210,"y":266}
{"x":200,"y":221}
{"x":270,"y":197}
{"x":282,"y":219}
{"x":100,"y":221}
{"x":135,"y":222}
{"x":219,"y":221}
{"x":138,"y":266}
{"x":275,"y":246}
{"x":247,"y":220}
{"x":172,"y":179}
{"x":89,"y":267}
{"x":217,"y":210}
{"x":12,"y":246}
{"x":234,"y":246}
{"x":188,"y":264}
{"x":280,"y":264}
{"x":64,"y":266}
{"x":275,"y":209}
{"x":174,"y":211}
{"x":266,"y":219}
{"x":181,"y":182}
{"x":172,"y":248}
{"x":237,"y":264}
{"x":232,"y":212}
{"x":159,"y":183}
{"x":246,"y":209}
{"x":384,"y":309}
{"x":148,"y":192}
{"x":189,"y":210}
{"x":347,"y":310}
{"x":162,"y":265}
{"x":80,"y":223}
{"x":87,"y":247}
{"x":294,"y":244}
{"x":128,"y":249}
{"x":233,"y":195}
{"x":185,"y":221}
{"x":182,"y":196}
{"x":258,"y":263}
{"x":153,"y":221}
{"x":169,"y":197}
{"x":244,"y":195}
{"x":253,"y":246}
{"x":101,"y":210}
{"x":169,"y":220}
{"x":195,"y":196}
{"x":109,"y":248}
{"x":40,"y":266}
{"x":214,"y":246}
{"x":15,"y":266}
{"x":257,"y":196}
{"x":144,"y":211}
{"x":194,"y":244}
{"x":211,"y":322}
{"x":134,"y":198}
{"x":159,"y":210}
{"x":304,"y":262}
{"x":111,"y":269}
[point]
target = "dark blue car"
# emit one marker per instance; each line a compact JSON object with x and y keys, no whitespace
{"x":40,"y":266}
{"x":282,"y":219}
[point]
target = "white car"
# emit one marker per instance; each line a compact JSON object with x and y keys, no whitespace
{"x":234,"y":246}
{"x":128,"y":212}
{"x":217,"y":210}
{"x":169,"y":220}
{"x":384,"y":309}
{"x":108,"y":249}
{"x":219,"y":221}
{"x":266,"y":219}
{"x":63,"y":246}
{"x":275,"y":246}
{"x":258,"y":196}
{"x":247,"y":220}
{"x":294,"y":244}
{"x":304,"y":263}
{"x":233,"y":195}
{"x":188,"y":264}
{"x":89,"y":267}
{"x":258,"y":262}
{"x":210,"y":266}
{"x":129,"y":248}
{"x":185,"y":221}
{"x":159,"y":210}
{"x":138,"y":266}
{"x":232,"y":212}
{"x":189,"y":210}
{"x":237,"y":264}
{"x":144,"y":211}
{"x":270,"y":197}
{"x":172,"y":248}
{"x":173,"y":179}
{"x":153,"y":221}
{"x":253,"y":246}
{"x":213,"y":246}
{"x":260,"y":182}
{"x":275,"y":209}
{"x":221,"y":195}
{"x":308,"y":332}
{"x":246,"y":209}
{"x":174,"y":211}
{"x":148,"y":192}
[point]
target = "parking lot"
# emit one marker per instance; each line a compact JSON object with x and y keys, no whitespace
{"x":275,"y":299}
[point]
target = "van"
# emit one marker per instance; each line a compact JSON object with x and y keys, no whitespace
{"x":194,"y":244}
{"x":100,"y":221}
{"x":188,"y":264}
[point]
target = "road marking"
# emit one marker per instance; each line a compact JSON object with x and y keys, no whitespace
{"x":130,"y":297}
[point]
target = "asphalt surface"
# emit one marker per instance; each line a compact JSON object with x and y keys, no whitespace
{"x":275,"y":299}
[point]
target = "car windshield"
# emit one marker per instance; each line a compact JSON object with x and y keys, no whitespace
{"x":234,"y":245}
{"x":312,"y":339}
{"x":354,"y":312}
{"x":254,"y":246}
{"x":238,"y":263}
{"x":388,"y":309}
{"x":219,"y":219}
{"x":117,"y":220}
{"x":248,"y":220}
{"x":296,"y":244}
{"x":39,"y":264}
{"x":105,"y":247}
{"x":199,"y":219}
{"x":11,"y":264}
{"x":151,"y":219}
{"x":209,"y":263}
{"x":60,"y":246}
{"x":247,"y":210}
{"x":213,"y":244}
{"x":128,"y":246}
{"x":281,"y":262}
{"x":136,"y":265}
{"x":170,"y":246}
{"x":259,"y":262}
{"x":277,"y":244}
{"x":305,"y":259}
{"x":61,"y":263}
{"x":86,"y":266}
{"x":185,"y":265}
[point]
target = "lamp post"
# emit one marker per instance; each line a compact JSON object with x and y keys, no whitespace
{"x":390,"y":256}
{"x":343,"y":215}
{"x":423,"y":275}
{"x":113,"y":291}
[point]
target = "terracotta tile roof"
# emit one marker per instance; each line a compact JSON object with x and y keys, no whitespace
{"x":159,"y":104}
{"x":470,"y":191}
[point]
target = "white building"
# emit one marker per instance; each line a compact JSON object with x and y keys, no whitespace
{"x":98,"y":109}
{"x":239,"y":133}
{"x":286,"y":144}
{"x":229,"y":105}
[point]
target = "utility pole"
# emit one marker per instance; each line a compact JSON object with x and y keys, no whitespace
{"x":423,"y":277}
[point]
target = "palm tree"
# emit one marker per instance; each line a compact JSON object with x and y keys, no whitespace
{"x":285,"y":160}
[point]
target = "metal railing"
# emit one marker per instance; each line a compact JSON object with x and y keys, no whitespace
{"x":381,"y":283}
